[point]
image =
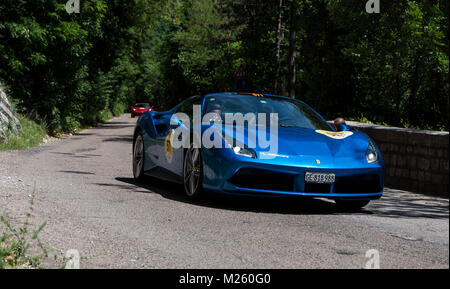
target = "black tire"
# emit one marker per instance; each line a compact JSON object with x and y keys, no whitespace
{"x":138,"y":158}
{"x":193,"y":173}
{"x":351,"y":205}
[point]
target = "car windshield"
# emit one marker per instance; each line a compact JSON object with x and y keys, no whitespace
{"x":291,"y":113}
{"x":142,"y":105}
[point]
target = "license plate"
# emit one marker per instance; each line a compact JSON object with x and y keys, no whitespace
{"x":320,"y":178}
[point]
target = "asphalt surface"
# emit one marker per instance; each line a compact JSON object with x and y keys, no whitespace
{"x":86,"y":192}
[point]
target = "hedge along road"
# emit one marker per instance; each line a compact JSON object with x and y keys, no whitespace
{"x":86,"y":191}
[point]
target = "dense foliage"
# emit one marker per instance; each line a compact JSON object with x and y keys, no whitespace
{"x":72,"y":69}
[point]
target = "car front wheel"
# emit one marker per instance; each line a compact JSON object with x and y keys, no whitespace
{"x":138,"y":158}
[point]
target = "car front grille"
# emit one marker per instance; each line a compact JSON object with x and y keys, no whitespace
{"x":260,"y":179}
{"x":317,"y":188}
{"x":367,"y":183}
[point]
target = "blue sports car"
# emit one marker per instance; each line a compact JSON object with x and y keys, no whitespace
{"x":257,"y":144}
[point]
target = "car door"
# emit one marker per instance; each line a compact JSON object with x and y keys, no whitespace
{"x":155,"y":130}
{"x":177,"y":154}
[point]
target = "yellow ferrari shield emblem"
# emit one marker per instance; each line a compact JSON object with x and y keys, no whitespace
{"x":335,"y":134}
{"x":168,"y":146}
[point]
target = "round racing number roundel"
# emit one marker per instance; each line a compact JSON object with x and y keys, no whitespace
{"x":168,"y":149}
{"x":335,"y":134}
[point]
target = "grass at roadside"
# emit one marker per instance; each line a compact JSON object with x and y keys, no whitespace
{"x":21,"y":247}
{"x":403,"y":124}
{"x":30,"y":135}
{"x":15,"y":242}
{"x":104,"y":117}
{"x":33,"y":134}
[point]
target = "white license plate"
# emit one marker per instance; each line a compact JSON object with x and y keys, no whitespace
{"x":320,"y":178}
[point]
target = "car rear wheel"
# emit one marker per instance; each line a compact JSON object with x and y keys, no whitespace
{"x":193,"y":172}
{"x":138,"y":158}
{"x":351,"y":205}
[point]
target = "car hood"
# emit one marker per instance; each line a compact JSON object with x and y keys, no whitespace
{"x":305,"y":146}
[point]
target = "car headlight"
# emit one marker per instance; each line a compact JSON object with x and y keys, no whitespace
{"x":239,"y":148}
{"x":372,"y":153}
{"x":243,"y":151}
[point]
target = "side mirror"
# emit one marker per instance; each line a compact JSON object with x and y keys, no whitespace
{"x":178,"y":123}
{"x":340,"y":125}
{"x":167,"y":119}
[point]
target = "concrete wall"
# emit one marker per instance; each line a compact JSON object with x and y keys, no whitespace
{"x":416,"y":160}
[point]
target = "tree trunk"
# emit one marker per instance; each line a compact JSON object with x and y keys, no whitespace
{"x":292,"y":48}
{"x":283,"y":86}
{"x":277,"y":51}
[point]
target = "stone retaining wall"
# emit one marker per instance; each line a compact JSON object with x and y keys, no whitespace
{"x":416,"y":160}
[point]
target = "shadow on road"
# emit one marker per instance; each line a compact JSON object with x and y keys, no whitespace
{"x":119,"y":139}
{"x":280,"y":205}
{"x":84,"y":134}
{"x":396,"y":204}
{"x":115,"y":125}
{"x":392,"y":205}
{"x":77,"y":172}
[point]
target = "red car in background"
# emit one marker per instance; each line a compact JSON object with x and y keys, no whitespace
{"x":140,"y":108}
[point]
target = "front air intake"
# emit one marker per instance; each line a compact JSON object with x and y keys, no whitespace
{"x":259,"y":179}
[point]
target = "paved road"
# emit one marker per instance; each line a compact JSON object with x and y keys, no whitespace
{"x":86,"y":191}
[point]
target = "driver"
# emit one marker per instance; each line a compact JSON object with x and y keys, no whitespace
{"x":216,"y":109}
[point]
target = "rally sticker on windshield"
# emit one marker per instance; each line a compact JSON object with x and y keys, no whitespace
{"x":335,"y":134}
